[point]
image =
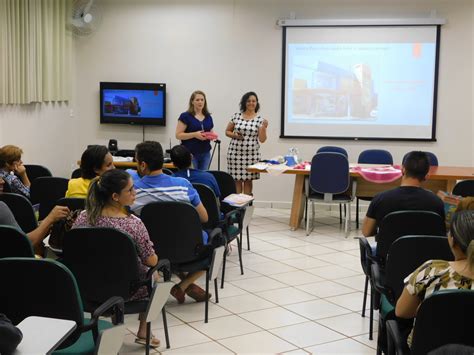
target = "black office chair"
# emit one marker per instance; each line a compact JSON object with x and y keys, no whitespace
{"x":231,"y":225}
{"x":126,"y":153}
{"x":366,"y":262}
{"x":36,"y":171}
{"x":442,"y":318}
{"x":167,"y":171}
{"x":372,"y":156}
{"x":46,"y":288}
{"x":329,"y":182}
{"x":404,"y":256}
{"x":464,"y":188}
{"x":14,"y":243}
{"x":181,"y":243}
{"x":77,"y":173}
{"x":111,"y":270}
{"x":226,"y":184}
{"x":22,"y":210}
{"x":47,"y":191}
{"x":400,"y":223}
{"x":74,"y":203}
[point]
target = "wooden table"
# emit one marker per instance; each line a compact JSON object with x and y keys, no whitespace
{"x":439,"y":178}
{"x":43,"y":335}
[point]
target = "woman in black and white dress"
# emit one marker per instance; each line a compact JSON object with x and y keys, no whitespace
{"x":247,"y":129}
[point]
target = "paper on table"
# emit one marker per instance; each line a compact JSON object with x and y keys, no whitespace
{"x":122,"y":158}
{"x":259,"y":166}
{"x":238,"y":199}
{"x":277,"y":169}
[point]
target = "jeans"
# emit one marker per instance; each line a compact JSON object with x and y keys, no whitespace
{"x":201,"y":160}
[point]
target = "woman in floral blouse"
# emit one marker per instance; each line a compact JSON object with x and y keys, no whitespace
{"x":105,"y":207}
{"x":437,"y":275}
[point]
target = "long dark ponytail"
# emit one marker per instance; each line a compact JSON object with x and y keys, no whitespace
{"x":101,"y":190}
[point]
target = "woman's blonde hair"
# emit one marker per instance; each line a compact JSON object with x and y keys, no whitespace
{"x":101,"y":190}
{"x":205,"y":111}
{"x":9,"y":154}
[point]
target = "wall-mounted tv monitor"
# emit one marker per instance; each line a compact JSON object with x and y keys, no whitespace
{"x":133,"y":103}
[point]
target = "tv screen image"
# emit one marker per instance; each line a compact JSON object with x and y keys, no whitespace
{"x":133,"y":103}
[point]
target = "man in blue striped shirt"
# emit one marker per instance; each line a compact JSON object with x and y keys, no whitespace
{"x":155,"y":186}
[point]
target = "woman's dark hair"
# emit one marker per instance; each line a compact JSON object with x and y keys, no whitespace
{"x":151,"y":153}
{"x":462,"y":231}
{"x":243,"y":101}
{"x":416,"y":165}
{"x":92,"y":159}
{"x":101,"y":190}
{"x":181,"y":157}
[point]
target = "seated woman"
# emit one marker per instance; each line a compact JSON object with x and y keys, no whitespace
{"x":12,"y":170}
{"x":437,"y":275}
{"x":95,"y":161}
{"x":108,"y":196}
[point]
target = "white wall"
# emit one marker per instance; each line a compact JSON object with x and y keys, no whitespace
{"x":226,"y":48}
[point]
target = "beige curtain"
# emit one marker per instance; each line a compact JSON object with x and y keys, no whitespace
{"x":35,"y":51}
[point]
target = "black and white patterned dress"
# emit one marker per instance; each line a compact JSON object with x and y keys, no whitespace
{"x":245,"y":152}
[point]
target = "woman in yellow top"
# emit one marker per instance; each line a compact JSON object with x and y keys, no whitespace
{"x":95,"y":161}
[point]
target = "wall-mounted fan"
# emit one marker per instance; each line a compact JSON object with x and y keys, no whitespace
{"x":86,"y":17}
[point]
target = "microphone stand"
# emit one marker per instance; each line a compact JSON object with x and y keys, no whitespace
{"x":217,"y":143}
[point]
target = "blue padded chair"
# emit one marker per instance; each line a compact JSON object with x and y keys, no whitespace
{"x":332,"y":149}
{"x":433,"y":159}
{"x":329,"y":181}
{"x":372,"y":156}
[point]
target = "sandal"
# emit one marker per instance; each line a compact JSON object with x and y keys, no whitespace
{"x":154,"y":342}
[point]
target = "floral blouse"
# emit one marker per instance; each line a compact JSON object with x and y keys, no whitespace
{"x":433,"y":276}
{"x":15,"y":183}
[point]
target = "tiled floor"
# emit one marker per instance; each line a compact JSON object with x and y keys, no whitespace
{"x":298,"y":295}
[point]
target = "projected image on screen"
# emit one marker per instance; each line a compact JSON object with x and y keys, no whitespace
{"x":133,"y":103}
{"x":339,"y":86}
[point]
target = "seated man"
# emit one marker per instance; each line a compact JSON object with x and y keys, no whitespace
{"x":409,"y":196}
{"x":37,"y":235}
{"x":182,"y":159}
{"x":156,"y":186}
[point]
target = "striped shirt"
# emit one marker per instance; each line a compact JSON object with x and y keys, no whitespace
{"x":160,"y":188}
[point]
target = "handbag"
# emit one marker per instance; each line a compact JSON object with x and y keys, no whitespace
{"x":60,"y":228}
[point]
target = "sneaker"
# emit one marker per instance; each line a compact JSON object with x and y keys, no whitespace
{"x":197,"y":293}
{"x":178,"y":293}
